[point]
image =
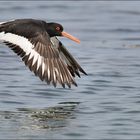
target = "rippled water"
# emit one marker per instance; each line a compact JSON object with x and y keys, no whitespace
{"x":106,"y":103}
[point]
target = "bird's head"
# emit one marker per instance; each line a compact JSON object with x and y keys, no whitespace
{"x":55,"y":29}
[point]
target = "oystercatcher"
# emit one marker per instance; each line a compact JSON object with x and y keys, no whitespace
{"x":36,"y":43}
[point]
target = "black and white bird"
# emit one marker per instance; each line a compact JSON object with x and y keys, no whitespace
{"x":36,"y":43}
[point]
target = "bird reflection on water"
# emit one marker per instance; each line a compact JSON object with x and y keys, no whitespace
{"x":47,"y":118}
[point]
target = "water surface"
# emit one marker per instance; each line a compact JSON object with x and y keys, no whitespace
{"x":106,"y":103}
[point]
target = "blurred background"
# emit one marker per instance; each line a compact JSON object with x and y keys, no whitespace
{"x":106,"y":103}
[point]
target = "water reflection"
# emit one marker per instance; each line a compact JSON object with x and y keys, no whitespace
{"x":46,"y":118}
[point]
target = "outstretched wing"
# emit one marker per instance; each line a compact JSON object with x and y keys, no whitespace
{"x":69,"y":60}
{"x":45,"y":56}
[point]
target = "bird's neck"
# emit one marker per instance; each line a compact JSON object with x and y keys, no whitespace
{"x":49,"y":29}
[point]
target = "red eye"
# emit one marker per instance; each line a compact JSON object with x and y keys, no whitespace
{"x":57,"y":28}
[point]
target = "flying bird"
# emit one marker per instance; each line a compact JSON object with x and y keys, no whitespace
{"x":36,"y":43}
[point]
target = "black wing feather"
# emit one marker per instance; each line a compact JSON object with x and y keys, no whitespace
{"x":57,"y":64}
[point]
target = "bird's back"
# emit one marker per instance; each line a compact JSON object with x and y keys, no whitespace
{"x":20,"y":27}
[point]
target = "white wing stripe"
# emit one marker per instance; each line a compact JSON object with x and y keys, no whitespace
{"x":39,"y":62}
{"x":35,"y":58}
{"x":18,"y":40}
{"x":43,"y":68}
{"x":24,"y":44}
{"x":5,"y":21}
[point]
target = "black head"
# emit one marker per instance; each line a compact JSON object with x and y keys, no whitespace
{"x":54,"y":29}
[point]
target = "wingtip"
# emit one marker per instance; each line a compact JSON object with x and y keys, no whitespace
{"x":83,"y":71}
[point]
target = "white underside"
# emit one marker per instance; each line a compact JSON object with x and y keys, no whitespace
{"x":27,"y":47}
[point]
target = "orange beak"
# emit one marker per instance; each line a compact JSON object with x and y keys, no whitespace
{"x":70,"y":37}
